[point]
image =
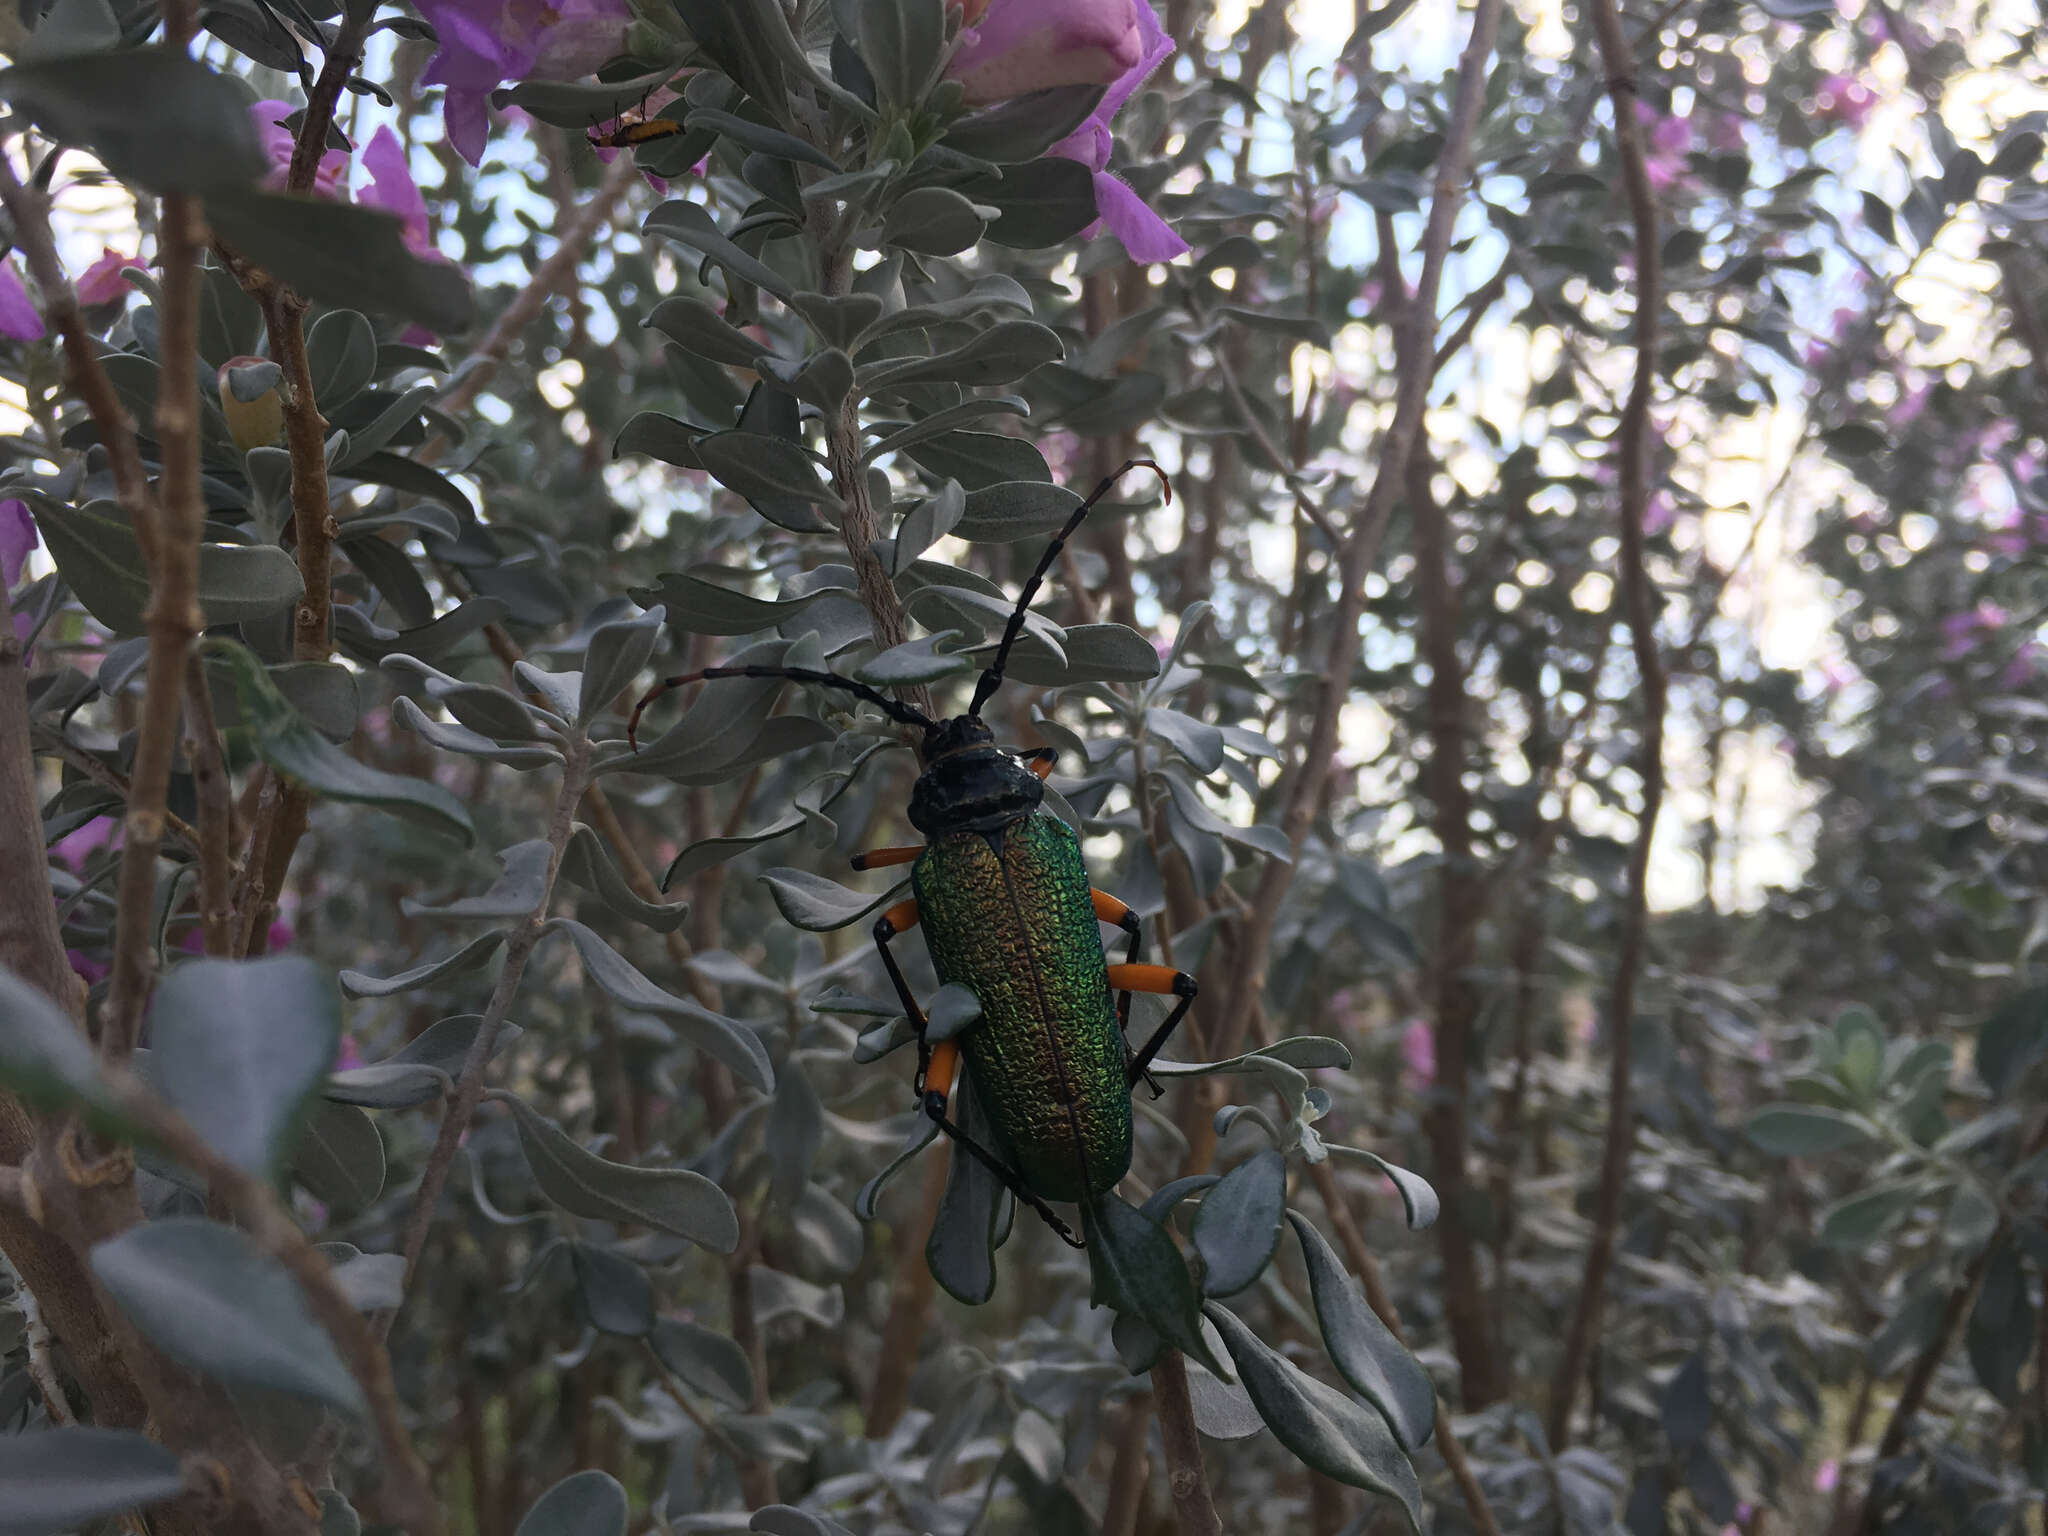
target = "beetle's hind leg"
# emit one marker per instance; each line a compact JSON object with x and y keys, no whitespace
{"x":1161,"y":979}
{"x":933,"y":1097}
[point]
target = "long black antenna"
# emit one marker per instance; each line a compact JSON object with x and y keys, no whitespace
{"x":992,"y":679}
{"x":896,"y":709}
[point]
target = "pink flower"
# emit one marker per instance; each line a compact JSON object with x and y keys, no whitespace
{"x":347,"y":1058}
{"x":486,"y":42}
{"x":1910,"y":405}
{"x":1019,"y":46}
{"x":1418,"y":1053}
{"x":1846,"y":100}
{"x":102,"y":282}
{"x":279,"y":937}
{"x":18,"y":316}
{"x":1962,"y":633}
{"x":17,"y":538}
{"x":331,"y":176}
{"x":1826,"y":1475}
{"x":1727,"y":132}
{"x":79,"y":844}
{"x":392,"y":189}
{"x":2024,"y":666}
{"x":1668,"y":140}
{"x":1147,"y":238}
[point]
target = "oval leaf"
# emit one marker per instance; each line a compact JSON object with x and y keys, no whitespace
{"x":1237,"y":1226}
{"x":672,"y":1200}
{"x":581,"y":1504}
{"x":65,"y":1477}
{"x":1338,"y":1437}
{"x":209,"y":1298}
{"x":1362,"y":1347}
{"x":240,"y":1046}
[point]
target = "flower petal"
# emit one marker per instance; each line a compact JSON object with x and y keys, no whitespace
{"x":17,"y":538}
{"x":102,"y":282}
{"x":1021,"y":46}
{"x":18,"y":317}
{"x":393,"y":189}
{"x":1146,"y":236}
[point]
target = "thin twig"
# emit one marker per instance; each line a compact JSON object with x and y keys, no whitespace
{"x":172,"y":619}
{"x":343,"y":54}
{"x":256,"y":1206}
{"x":678,"y":1390}
{"x":1361,"y":545}
{"x":469,"y":1084}
{"x":1282,"y":463}
{"x":216,"y":812}
{"x":1633,"y":447}
{"x":109,"y":778}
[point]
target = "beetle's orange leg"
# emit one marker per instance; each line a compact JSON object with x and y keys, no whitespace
{"x":1161,"y":979}
{"x":1109,"y":910}
{"x":881,"y":858}
{"x":1041,"y":761}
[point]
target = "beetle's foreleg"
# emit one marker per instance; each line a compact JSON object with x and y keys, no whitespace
{"x":1161,"y":979}
{"x":881,"y":858}
{"x":933,"y":1098}
{"x":900,"y":919}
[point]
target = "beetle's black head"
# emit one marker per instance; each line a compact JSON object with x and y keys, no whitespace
{"x":969,"y":784}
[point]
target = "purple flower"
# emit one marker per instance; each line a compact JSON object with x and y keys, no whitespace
{"x":1418,"y":1053}
{"x":392,"y":189}
{"x":1668,"y":141}
{"x":1846,"y":100}
{"x":78,"y":845}
{"x":18,"y":317}
{"x":1962,"y":633}
{"x":1146,"y":237}
{"x":2024,"y":666}
{"x":1910,"y":405}
{"x":1014,"y":47}
{"x":1827,"y":1475}
{"x":17,"y":538}
{"x":487,"y":42}
{"x":91,"y":968}
{"x":102,"y":282}
{"x":329,"y":179}
{"x":1660,"y":514}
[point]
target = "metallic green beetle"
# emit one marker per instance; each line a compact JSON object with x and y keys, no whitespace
{"x":1008,"y":911}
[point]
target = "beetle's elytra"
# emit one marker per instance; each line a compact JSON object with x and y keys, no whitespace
{"x":1007,"y":910}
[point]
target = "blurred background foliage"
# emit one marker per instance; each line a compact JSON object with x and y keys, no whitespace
{"x":1823,"y":1311}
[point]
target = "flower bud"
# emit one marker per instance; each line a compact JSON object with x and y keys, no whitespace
{"x":1020,"y":46}
{"x":250,"y":401}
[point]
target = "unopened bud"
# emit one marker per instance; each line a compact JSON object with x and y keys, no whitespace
{"x":250,"y":401}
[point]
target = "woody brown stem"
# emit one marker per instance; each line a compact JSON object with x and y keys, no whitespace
{"x":1638,"y":601}
{"x":1194,"y":1508}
